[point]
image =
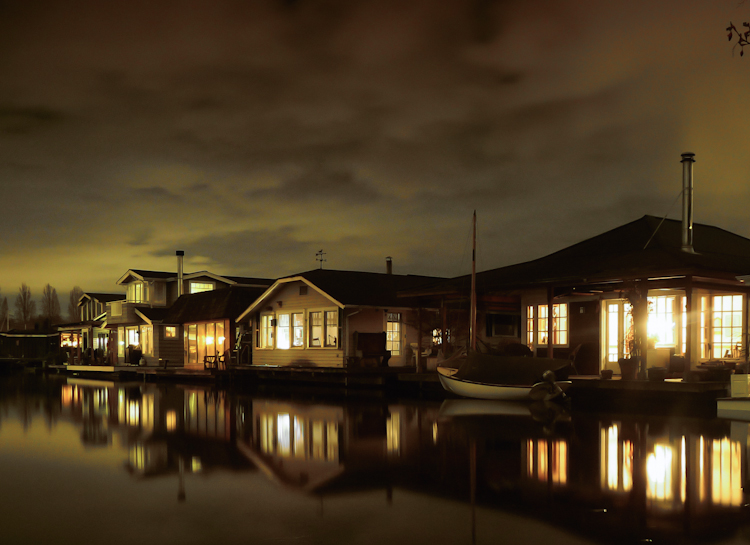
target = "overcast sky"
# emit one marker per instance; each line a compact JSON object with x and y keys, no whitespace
{"x":252,"y":134}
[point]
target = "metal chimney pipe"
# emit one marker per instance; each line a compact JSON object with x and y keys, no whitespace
{"x":180,"y":255}
{"x":388,"y":265}
{"x":687,"y":202}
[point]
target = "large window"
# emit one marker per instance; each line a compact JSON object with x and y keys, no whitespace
{"x":727,"y":326}
{"x":203,"y":340}
{"x":559,"y":324}
{"x":324,"y":328}
{"x":393,"y":333}
{"x":137,"y":292}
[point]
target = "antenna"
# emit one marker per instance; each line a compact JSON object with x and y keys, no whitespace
{"x":319,"y":257}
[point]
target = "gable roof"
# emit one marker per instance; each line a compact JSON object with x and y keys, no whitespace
{"x":140,"y":274}
{"x":353,"y":288}
{"x":212,"y":305}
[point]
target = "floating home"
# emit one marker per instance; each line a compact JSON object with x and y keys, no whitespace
{"x":330,"y":318}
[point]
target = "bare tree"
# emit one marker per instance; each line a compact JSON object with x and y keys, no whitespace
{"x":73,"y":313}
{"x":51,"y":305}
{"x":25,"y":307}
{"x":4,"y":314}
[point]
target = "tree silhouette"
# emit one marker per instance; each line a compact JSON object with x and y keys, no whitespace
{"x":25,"y":307}
{"x":75,"y":295}
{"x":4,"y":314}
{"x":743,"y":38}
{"x":51,"y":305}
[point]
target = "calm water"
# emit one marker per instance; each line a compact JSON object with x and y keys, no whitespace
{"x":89,"y":462}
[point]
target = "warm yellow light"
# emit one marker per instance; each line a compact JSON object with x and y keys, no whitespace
{"x":209,"y":340}
{"x":171,"y":420}
{"x":659,"y":473}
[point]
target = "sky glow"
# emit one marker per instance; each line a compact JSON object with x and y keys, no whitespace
{"x":252,"y":134}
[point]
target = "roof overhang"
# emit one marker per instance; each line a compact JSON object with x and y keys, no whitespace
{"x":149,"y":321}
{"x":278,"y":284}
{"x":129,"y":274}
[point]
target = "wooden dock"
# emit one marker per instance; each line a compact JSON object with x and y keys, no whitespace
{"x":671,"y":396}
{"x":587,"y":393}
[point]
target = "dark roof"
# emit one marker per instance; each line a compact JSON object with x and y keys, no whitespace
{"x":249,"y":281}
{"x":105,"y":297}
{"x":642,"y":248}
{"x":212,"y":305}
{"x":154,"y":274}
{"x":152,"y":314}
{"x":366,"y":288}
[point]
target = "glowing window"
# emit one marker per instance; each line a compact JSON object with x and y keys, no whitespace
{"x":265,"y":336}
{"x":199,"y":287}
{"x":530,"y":326}
{"x":559,"y":324}
{"x":298,"y":329}
{"x":393,"y":333}
{"x":283,"y":340}
{"x":316,"y":328}
{"x":170,"y":332}
{"x":727,"y":326}
{"x":661,"y":320}
{"x":332,"y":328}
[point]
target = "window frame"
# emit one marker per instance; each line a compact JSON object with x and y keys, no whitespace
{"x":535,"y":314}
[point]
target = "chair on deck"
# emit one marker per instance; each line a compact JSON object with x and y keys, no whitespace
{"x":371,"y":346}
{"x":210,"y":362}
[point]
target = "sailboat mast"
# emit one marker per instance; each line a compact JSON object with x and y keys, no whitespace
{"x":473,"y":309}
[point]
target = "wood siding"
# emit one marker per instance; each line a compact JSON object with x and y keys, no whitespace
{"x":293,"y":301}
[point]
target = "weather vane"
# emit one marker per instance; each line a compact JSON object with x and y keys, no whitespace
{"x":319,"y":257}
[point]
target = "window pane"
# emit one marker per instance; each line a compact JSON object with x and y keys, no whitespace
{"x":332,"y":328}
{"x":316,"y":328}
{"x":283,"y":340}
{"x":393,"y":333}
{"x":298,"y":325}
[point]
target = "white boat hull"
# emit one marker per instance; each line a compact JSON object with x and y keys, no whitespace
{"x":482,"y":390}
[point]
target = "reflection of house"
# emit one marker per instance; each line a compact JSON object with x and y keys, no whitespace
{"x":318,"y":318}
{"x":139,"y":321}
{"x":91,"y":331}
{"x":581,"y":295}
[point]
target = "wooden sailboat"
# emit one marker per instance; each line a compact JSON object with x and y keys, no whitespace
{"x":487,"y":376}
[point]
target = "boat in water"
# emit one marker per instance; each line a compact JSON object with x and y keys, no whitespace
{"x":511,"y":378}
{"x":494,"y":376}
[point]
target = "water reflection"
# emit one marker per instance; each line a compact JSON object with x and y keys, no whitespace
{"x":605,"y":478}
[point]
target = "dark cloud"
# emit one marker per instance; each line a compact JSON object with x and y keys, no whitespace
{"x":24,"y":120}
{"x":252,"y":134}
{"x":160,"y":194}
{"x":321,"y":185}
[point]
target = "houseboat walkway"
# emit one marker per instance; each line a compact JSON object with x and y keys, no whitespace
{"x":588,"y":393}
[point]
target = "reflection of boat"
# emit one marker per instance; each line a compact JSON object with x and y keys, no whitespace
{"x":486,"y":376}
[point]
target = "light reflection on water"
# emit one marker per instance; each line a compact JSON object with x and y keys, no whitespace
{"x":93,"y":461}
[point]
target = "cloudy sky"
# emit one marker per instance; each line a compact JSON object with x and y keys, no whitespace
{"x":252,"y":134}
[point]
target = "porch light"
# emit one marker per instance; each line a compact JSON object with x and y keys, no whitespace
{"x":209,"y":340}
